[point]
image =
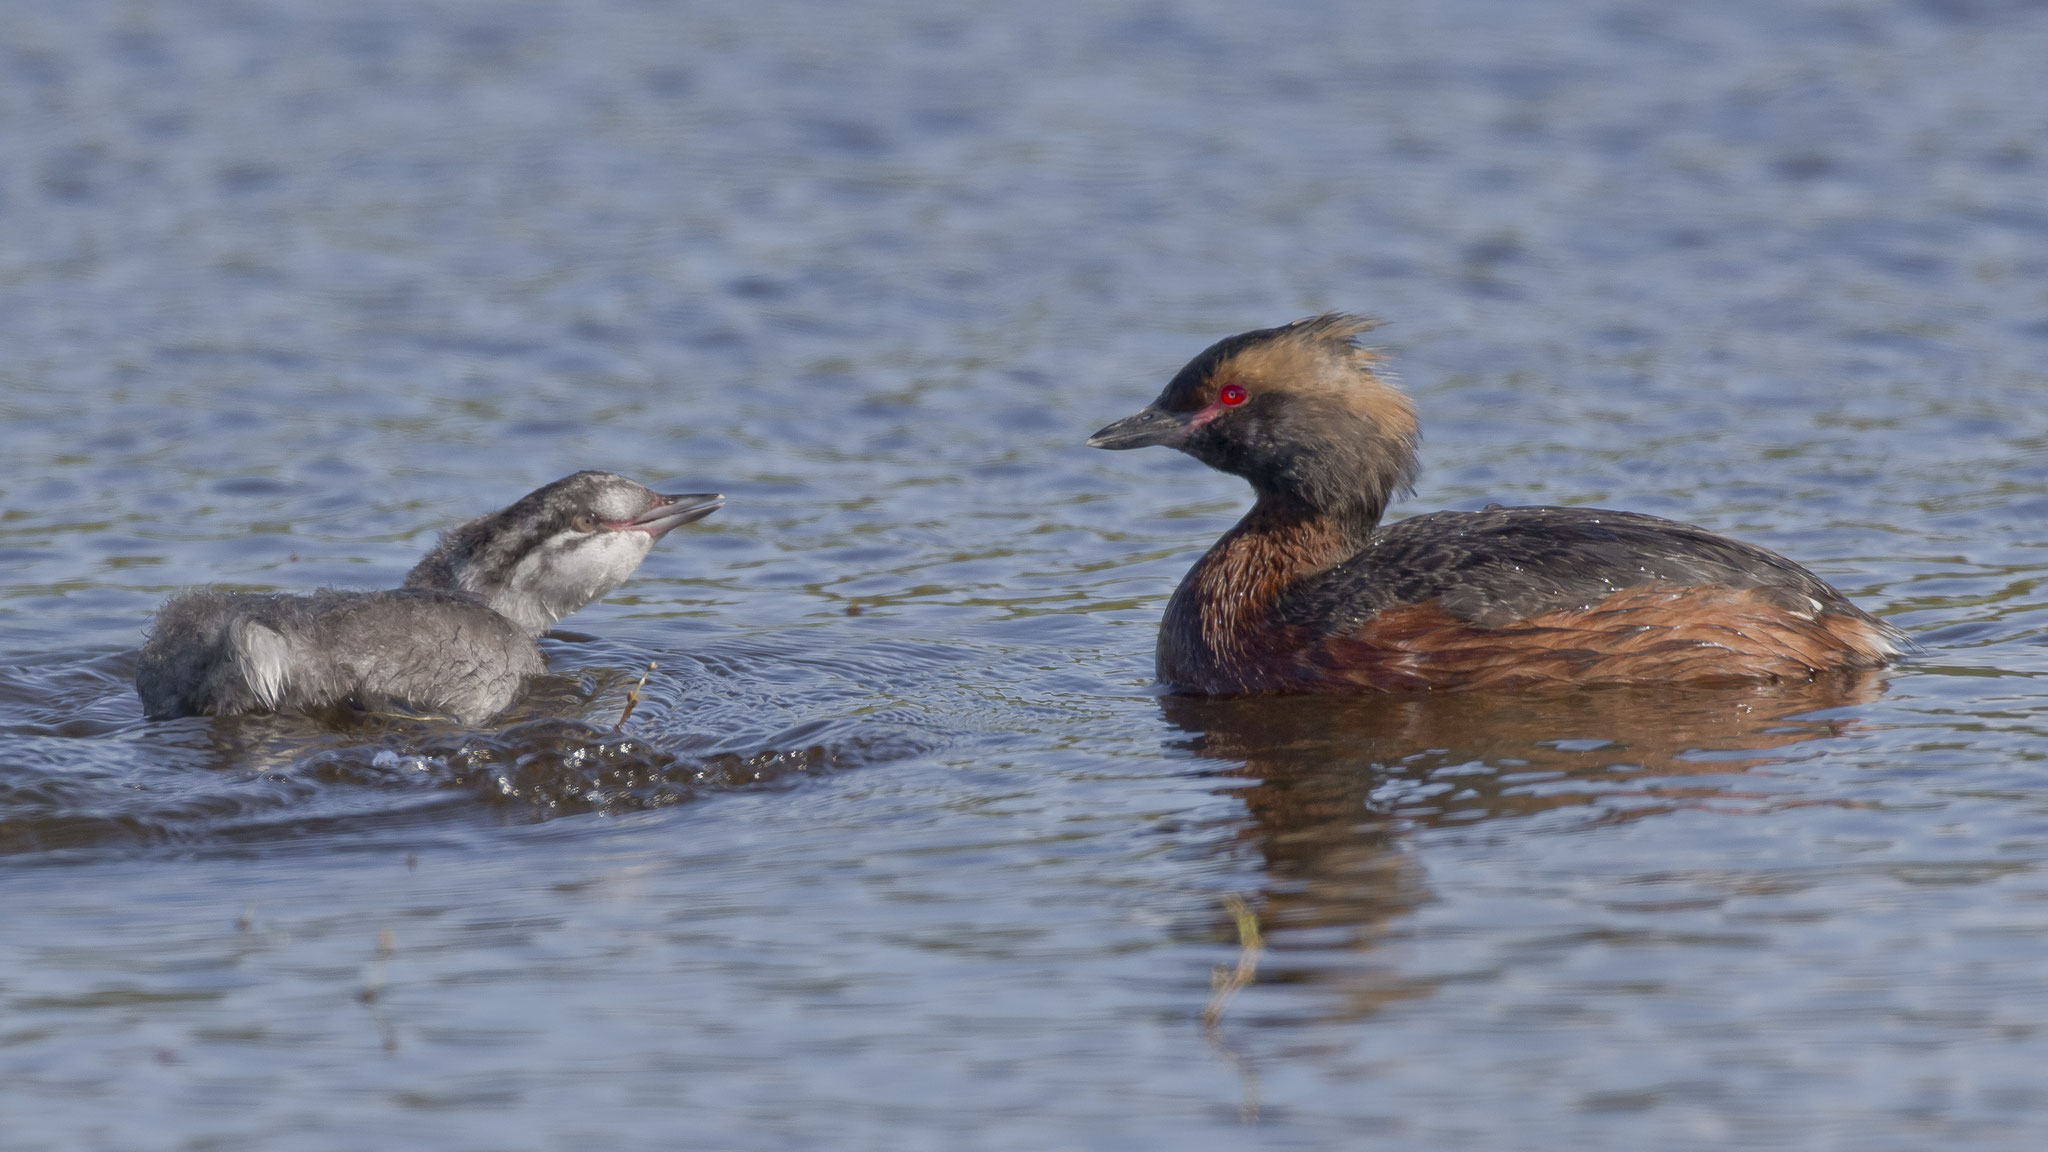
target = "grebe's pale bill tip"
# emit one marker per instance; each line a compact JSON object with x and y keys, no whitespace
{"x":676,"y":511}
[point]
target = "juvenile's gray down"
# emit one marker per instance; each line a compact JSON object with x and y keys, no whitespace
{"x":223,"y":653}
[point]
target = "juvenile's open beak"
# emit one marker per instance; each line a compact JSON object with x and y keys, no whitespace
{"x":1153,"y":425}
{"x":676,"y":511}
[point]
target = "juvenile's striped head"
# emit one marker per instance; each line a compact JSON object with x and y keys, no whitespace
{"x":559,"y":547}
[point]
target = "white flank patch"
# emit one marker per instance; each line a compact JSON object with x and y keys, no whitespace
{"x":266,"y":662}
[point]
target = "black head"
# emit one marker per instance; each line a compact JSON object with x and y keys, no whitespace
{"x":559,"y":547}
{"x":1298,"y":410}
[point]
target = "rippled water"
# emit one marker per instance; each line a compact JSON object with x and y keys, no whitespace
{"x":900,"y":850}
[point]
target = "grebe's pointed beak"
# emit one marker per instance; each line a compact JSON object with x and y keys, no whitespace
{"x":1154,"y":425}
{"x":676,"y":511}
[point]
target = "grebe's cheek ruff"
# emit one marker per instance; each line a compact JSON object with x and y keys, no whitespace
{"x":1307,"y":593}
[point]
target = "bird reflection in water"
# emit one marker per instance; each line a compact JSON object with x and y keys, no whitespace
{"x":1333,"y":787}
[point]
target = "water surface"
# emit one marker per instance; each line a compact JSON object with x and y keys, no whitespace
{"x":900,"y":849}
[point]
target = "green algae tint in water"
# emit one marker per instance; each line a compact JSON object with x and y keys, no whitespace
{"x":288,"y":287}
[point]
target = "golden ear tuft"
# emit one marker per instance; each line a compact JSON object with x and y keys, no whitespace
{"x":1340,"y":327}
{"x":1302,"y":356}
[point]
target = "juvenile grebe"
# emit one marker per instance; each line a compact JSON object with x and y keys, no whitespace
{"x":457,"y":639}
{"x":1308,"y":593}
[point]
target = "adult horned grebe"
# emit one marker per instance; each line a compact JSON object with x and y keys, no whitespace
{"x":458,"y":638}
{"x":1309,"y":593}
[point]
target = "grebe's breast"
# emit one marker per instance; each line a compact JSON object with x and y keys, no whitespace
{"x":1529,"y":597}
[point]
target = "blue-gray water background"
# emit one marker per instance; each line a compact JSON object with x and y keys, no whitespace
{"x":288,"y":286}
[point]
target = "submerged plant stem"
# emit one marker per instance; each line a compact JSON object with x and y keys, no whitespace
{"x":633,"y":697}
{"x":1226,"y":982}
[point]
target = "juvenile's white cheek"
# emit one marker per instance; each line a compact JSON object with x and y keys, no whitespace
{"x":603,"y":563}
{"x":569,"y":572}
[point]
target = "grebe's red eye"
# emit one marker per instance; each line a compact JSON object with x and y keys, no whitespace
{"x":1232,"y":395}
